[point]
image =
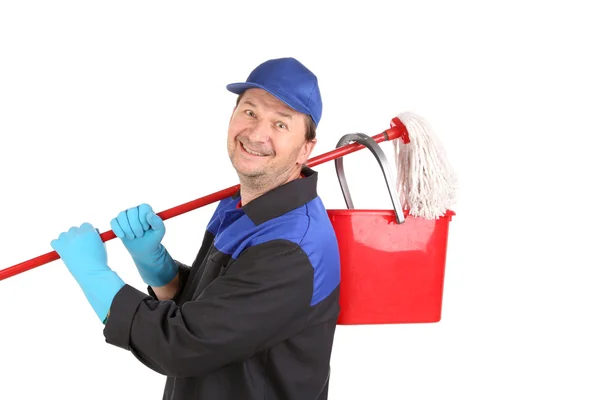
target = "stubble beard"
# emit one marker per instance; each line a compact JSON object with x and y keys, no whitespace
{"x":263,"y":179}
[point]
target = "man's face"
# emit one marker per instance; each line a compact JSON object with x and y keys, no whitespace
{"x":266,"y":138}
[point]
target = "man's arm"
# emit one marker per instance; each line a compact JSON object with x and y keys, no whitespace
{"x":172,"y":290}
{"x":262,"y":299}
{"x":168,"y":291}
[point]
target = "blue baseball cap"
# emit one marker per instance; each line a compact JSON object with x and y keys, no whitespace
{"x":289,"y":81}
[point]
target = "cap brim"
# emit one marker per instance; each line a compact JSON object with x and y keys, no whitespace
{"x":240,"y":87}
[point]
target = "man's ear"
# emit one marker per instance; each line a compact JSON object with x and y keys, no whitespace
{"x":306,"y":151}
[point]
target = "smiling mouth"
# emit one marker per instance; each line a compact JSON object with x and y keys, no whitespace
{"x":254,"y":153}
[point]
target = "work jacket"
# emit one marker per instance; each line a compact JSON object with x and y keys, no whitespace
{"x":255,"y":314}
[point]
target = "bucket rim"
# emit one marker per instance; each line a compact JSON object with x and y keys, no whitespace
{"x":378,"y":211}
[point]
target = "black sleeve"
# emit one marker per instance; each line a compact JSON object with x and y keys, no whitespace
{"x":262,"y":299}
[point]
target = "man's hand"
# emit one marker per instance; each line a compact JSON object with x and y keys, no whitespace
{"x":141,"y":232}
{"x":83,"y":252}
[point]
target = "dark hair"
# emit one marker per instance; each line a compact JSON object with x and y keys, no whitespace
{"x":311,"y":127}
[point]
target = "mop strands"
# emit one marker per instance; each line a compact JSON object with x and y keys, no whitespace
{"x":426,"y":183}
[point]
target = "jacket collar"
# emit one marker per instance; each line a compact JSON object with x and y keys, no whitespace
{"x":282,"y":199}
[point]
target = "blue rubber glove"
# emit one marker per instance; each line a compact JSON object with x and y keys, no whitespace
{"x":141,"y":232}
{"x":84,"y":253}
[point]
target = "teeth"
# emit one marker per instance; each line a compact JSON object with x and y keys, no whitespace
{"x":252,"y":152}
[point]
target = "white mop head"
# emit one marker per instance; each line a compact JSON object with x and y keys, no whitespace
{"x":425,"y":182}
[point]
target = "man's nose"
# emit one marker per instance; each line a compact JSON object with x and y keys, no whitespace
{"x":259,"y":132}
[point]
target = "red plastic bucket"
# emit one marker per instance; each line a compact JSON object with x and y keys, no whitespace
{"x":392,"y":263}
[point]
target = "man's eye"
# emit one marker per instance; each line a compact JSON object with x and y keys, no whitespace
{"x":282,"y":125}
{"x":250,"y":113}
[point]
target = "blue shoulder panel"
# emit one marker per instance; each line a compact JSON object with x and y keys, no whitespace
{"x":215,"y":220}
{"x":308,"y":226}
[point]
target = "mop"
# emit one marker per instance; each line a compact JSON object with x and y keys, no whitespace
{"x":425,"y":183}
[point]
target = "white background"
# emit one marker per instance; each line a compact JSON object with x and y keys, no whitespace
{"x":104,"y":105}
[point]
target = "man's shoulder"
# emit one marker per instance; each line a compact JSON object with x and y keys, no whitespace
{"x":307,"y":226}
{"x":309,"y":222}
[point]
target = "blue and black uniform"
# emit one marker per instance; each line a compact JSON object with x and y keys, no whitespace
{"x":255,"y":314}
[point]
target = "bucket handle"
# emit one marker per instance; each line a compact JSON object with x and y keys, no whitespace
{"x":372,"y":145}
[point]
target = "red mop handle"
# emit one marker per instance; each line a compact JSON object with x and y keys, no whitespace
{"x":389,"y":134}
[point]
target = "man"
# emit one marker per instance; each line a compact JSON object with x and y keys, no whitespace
{"x":254,"y":316}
